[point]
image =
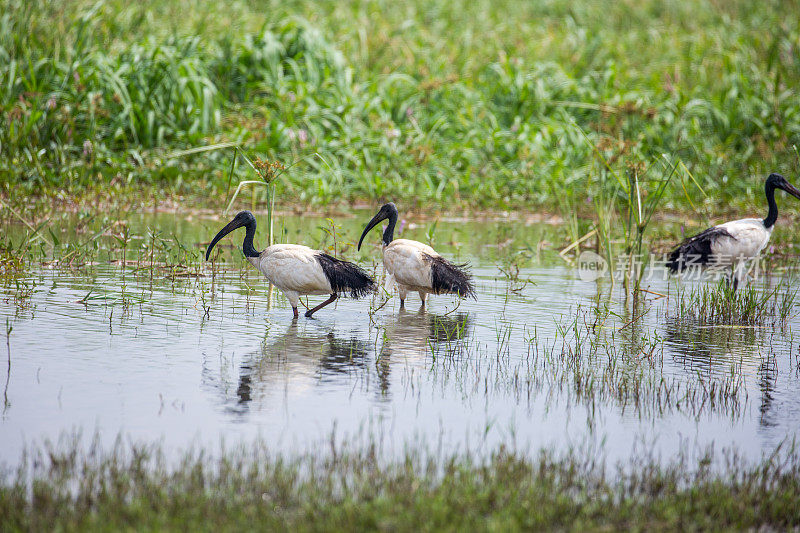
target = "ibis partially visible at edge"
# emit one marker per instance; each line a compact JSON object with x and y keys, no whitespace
{"x":298,"y":270}
{"x":733,"y":244}
{"x":416,"y":267}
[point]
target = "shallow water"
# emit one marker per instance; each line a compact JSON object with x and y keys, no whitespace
{"x":185,"y":359}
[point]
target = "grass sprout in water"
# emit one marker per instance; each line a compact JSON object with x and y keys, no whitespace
{"x":592,"y":365}
{"x":587,"y":365}
{"x":751,"y":305}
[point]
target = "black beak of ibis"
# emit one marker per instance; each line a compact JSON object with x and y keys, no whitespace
{"x":382,"y":215}
{"x":791,"y":189}
{"x":234,"y":224}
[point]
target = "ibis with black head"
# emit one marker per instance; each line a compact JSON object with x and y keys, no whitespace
{"x":298,"y":270}
{"x":416,"y":267}
{"x":732,"y":245}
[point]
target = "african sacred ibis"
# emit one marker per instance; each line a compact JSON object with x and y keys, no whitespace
{"x":415,"y":266}
{"x":298,"y":270}
{"x":732,"y":244}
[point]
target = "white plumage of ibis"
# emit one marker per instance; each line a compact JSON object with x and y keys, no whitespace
{"x":298,"y":270}
{"x":416,"y":267}
{"x":732,"y":244}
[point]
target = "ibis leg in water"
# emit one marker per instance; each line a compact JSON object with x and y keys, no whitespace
{"x":416,"y":267}
{"x":732,"y":245}
{"x":323,"y":304}
{"x":298,"y":270}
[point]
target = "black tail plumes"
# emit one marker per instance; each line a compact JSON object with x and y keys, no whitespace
{"x":695,"y":251}
{"x":346,"y":277}
{"x":448,"y":277}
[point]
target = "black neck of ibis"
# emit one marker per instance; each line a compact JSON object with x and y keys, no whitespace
{"x":773,"y":182}
{"x":772,"y":214}
{"x":388,"y":233}
{"x":249,"y":233}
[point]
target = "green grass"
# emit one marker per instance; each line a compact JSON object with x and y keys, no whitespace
{"x":708,"y":304}
{"x":420,"y":101}
{"x":70,"y":488}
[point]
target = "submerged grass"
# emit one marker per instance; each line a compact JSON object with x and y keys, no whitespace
{"x":590,"y":364}
{"x":71,"y":488}
{"x":423,"y":101}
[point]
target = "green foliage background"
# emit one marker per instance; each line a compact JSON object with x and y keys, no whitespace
{"x":482,"y":103}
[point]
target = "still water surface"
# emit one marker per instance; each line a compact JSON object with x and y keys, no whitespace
{"x":190,"y":360}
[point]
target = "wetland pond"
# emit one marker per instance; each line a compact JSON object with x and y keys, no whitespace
{"x":166,"y":348}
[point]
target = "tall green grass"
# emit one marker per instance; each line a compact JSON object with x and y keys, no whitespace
{"x":424,"y":101}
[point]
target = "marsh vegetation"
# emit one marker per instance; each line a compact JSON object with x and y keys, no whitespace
{"x":138,"y":486}
{"x":428,"y":101}
{"x":129,"y":131}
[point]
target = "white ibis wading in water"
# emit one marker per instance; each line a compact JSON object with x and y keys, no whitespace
{"x":415,"y":266}
{"x":733,"y":244}
{"x":298,"y":270}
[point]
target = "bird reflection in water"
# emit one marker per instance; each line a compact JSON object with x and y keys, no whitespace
{"x":417,"y":333}
{"x":304,"y":357}
{"x":301,"y":357}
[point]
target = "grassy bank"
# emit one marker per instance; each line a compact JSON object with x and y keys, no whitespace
{"x":131,"y":487}
{"x":425,"y":101}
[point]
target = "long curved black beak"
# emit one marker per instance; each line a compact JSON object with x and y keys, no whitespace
{"x":234,"y":224}
{"x":791,"y":189}
{"x":372,"y":223}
